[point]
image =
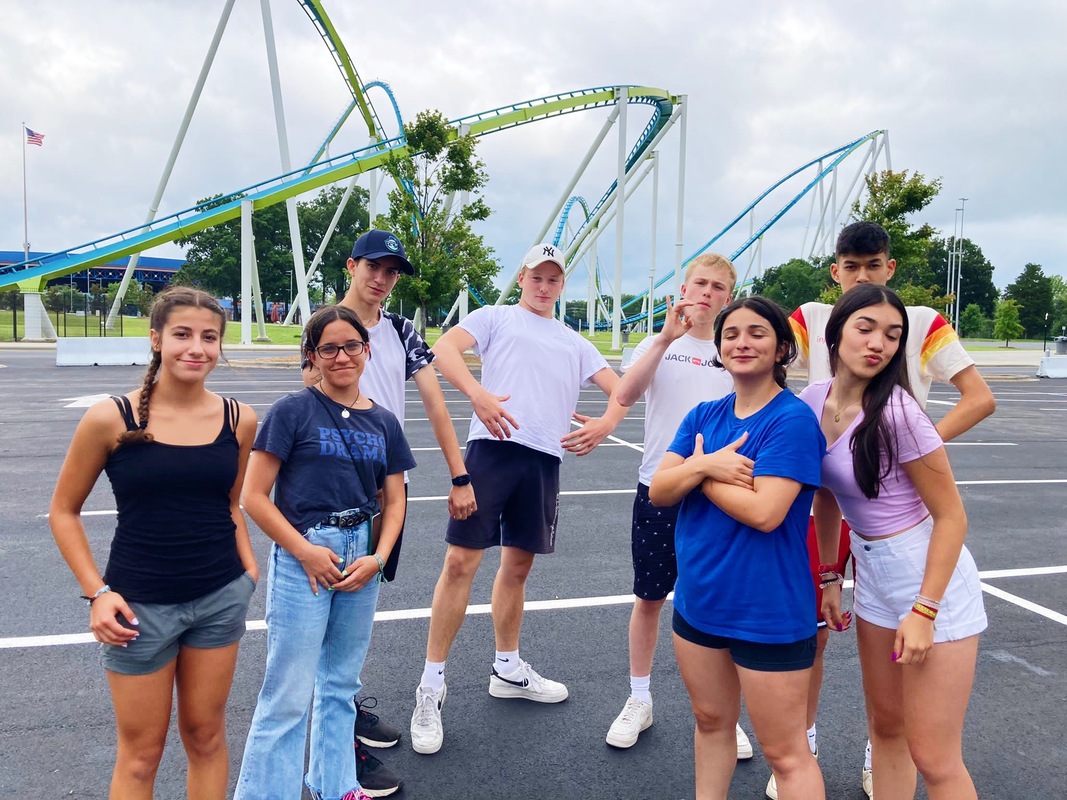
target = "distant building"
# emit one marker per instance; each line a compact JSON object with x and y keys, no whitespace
{"x":151,"y":271}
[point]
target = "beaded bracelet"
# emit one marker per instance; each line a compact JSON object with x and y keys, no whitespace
{"x":828,"y":576}
{"x":926,"y":601}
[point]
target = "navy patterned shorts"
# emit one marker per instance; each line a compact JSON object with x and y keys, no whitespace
{"x":652,"y":545}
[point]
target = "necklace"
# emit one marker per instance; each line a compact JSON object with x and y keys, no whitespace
{"x":345,"y":412}
{"x":840,"y":411}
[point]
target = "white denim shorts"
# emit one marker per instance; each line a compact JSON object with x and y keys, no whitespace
{"x":889,"y":573}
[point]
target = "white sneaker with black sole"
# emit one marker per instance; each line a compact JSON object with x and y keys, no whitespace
{"x":526,"y":684}
{"x":427,"y":730}
{"x":744,"y":746}
{"x":636,"y":717}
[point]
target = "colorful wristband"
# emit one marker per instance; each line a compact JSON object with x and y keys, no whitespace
{"x":924,"y":611}
{"x":381,"y":568}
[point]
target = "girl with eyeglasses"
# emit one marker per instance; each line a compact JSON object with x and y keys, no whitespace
{"x":336,"y":461}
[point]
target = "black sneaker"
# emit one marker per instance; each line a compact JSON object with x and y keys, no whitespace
{"x":370,"y":729}
{"x":375,"y":779}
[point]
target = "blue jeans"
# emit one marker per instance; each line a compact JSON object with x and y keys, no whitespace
{"x":316,"y":645}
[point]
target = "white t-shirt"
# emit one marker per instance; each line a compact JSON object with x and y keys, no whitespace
{"x":685,"y":377}
{"x":541,"y":363}
{"x":383,"y":376}
{"x":933,"y":352}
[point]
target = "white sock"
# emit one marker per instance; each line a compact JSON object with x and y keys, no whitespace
{"x":867,"y":756}
{"x":506,"y":662}
{"x":433,"y":676}
{"x":813,"y":744}
{"x":639,"y":688}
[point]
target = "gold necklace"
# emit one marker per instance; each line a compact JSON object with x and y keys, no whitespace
{"x":840,"y":411}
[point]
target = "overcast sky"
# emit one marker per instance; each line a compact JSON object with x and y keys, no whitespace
{"x":971,"y":92}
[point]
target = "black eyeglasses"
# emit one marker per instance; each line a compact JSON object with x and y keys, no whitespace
{"x":353,"y":348}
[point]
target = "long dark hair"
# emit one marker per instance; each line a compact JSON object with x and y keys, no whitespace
{"x":776,"y":316}
{"x":873,"y":444}
{"x":166,"y":302}
{"x":318,"y":321}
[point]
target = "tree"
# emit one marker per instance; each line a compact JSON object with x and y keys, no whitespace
{"x":1033,"y":292}
{"x":795,"y":282}
{"x":976,"y":280}
{"x":1006,"y":323}
{"x":315,"y":217}
{"x":973,"y":322}
{"x":891,"y":198}
{"x":1057,"y":320}
{"x":429,"y":220}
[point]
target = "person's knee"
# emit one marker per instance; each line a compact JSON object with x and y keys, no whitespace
{"x":785,"y":762}
{"x":935,"y":763}
{"x":710,"y":720}
{"x":648,"y":609}
{"x":203,"y":740}
{"x":885,"y":723}
{"x":515,"y":567}
{"x":139,"y":759}
{"x":461,"y":564}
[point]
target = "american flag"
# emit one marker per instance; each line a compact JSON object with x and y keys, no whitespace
{"x":33,"y":137}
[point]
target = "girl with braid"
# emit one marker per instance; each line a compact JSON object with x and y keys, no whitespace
{"x":170,"y":607}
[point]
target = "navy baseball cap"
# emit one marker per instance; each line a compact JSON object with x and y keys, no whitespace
{"x":378,"y":244}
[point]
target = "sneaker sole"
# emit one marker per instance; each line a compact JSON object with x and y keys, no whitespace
{"x":515,"y":693}
{"x":382,"y":792}
{"x":627,"y":742}
{"x":431,"y":749}
{"x":744,"y":753}
{"x":378,"y":745}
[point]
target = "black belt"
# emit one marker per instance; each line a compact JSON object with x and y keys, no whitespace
{"x":352,"y":519}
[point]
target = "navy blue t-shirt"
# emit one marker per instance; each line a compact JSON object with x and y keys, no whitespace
{"x":733,"y":580}
{"x":317,"y":477}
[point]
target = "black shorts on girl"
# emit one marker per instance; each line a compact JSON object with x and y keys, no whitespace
{"x":756,"y":656}
{"x":518,"y":498}
{"x":652,"y":547}
{"x":215,"y":620}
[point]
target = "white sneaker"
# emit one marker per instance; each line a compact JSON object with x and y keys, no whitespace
{"x":744,"y":746}
{"x":636,"y":716}
{"x":868,"y":783}
{"x":525,"y":683}
{"x":427,"y":731}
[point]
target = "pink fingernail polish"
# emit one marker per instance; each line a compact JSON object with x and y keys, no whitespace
{"x":894,"y":657}
{"x":135,"y":621}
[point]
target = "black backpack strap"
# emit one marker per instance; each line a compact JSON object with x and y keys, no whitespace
{"x":126,"y":410}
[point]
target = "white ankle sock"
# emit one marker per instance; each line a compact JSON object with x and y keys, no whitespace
{"x":506,"y":662}
{"x":639,"y":688}
{"x":813,"y":744}
{"x":867,"y":756}
{"x":433,"y":676}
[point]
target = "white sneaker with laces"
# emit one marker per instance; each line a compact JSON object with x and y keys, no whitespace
{"x":744,"y":746}
{"x":868,"y":783}
{"x":636,"y":716}
{"x":427,"y":730}
{"x":526,"y":684}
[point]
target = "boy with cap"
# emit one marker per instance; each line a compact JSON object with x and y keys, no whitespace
{"x":398,"y":353}
{"x":533,"y":367}
{"x":673,"y":370}
{"x":934,"y":352}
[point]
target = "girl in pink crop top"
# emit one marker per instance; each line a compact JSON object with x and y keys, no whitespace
{"x":917,"y":598}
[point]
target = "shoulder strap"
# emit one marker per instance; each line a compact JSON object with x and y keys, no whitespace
{"x":126,"y":410}
{"x":233,"y":413}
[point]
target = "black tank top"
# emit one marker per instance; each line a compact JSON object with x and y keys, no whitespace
{"x":175,"y":540}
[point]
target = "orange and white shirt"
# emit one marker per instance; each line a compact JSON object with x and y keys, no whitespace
{"x":934,"y":352}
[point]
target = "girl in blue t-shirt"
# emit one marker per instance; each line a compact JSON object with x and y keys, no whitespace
{"x":744,"y":469}
{"x":918,"y":600}
{"x":335,"y":460}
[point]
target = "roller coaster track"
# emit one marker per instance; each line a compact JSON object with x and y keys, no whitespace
{"x":325,"y":172}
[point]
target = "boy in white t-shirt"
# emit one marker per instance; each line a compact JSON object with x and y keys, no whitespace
{"x":934,"y":352}
{"x":673,"y":370}
{"x":533,"y":367}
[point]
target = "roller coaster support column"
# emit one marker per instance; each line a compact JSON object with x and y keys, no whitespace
{"x":164,"y":179}
{"x":652,"y":257}
{"x":679,"y":255}
{"x":283,"y":147}
{"x":620,"y":199}
{"x":251,"y":297}
{"x":565,"y":195}
{"x":36,"y":322}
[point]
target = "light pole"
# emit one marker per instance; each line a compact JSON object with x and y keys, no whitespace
{"x":959,"y":263}
{"x":1044,"y":333}
{"x":950,"y":277}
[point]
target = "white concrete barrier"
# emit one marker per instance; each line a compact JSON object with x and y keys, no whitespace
{"x":1053,"y":367}
{"x":92,"y":351}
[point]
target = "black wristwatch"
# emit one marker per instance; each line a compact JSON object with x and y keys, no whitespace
{"x":461,"y":480}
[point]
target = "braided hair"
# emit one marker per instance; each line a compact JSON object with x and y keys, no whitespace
{"x":165,"y":303}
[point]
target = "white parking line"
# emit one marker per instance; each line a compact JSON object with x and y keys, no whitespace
{"x":59,"y":640}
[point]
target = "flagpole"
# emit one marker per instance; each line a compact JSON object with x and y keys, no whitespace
{"x":25,"y":205}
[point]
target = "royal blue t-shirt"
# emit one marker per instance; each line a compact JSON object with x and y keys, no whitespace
{"x":733,"y":580}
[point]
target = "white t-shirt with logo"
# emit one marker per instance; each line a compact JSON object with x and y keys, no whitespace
{"x":685,"y":377}
{"x":541,"y":363}
{"x":933,"y":351}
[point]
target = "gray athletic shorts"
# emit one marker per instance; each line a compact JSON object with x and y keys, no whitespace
{"x":215,"y":620}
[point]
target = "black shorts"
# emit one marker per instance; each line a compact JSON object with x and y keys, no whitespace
{"x":652,"y":547}
{"x":518,"y":498}
{"x":757,"y":656}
